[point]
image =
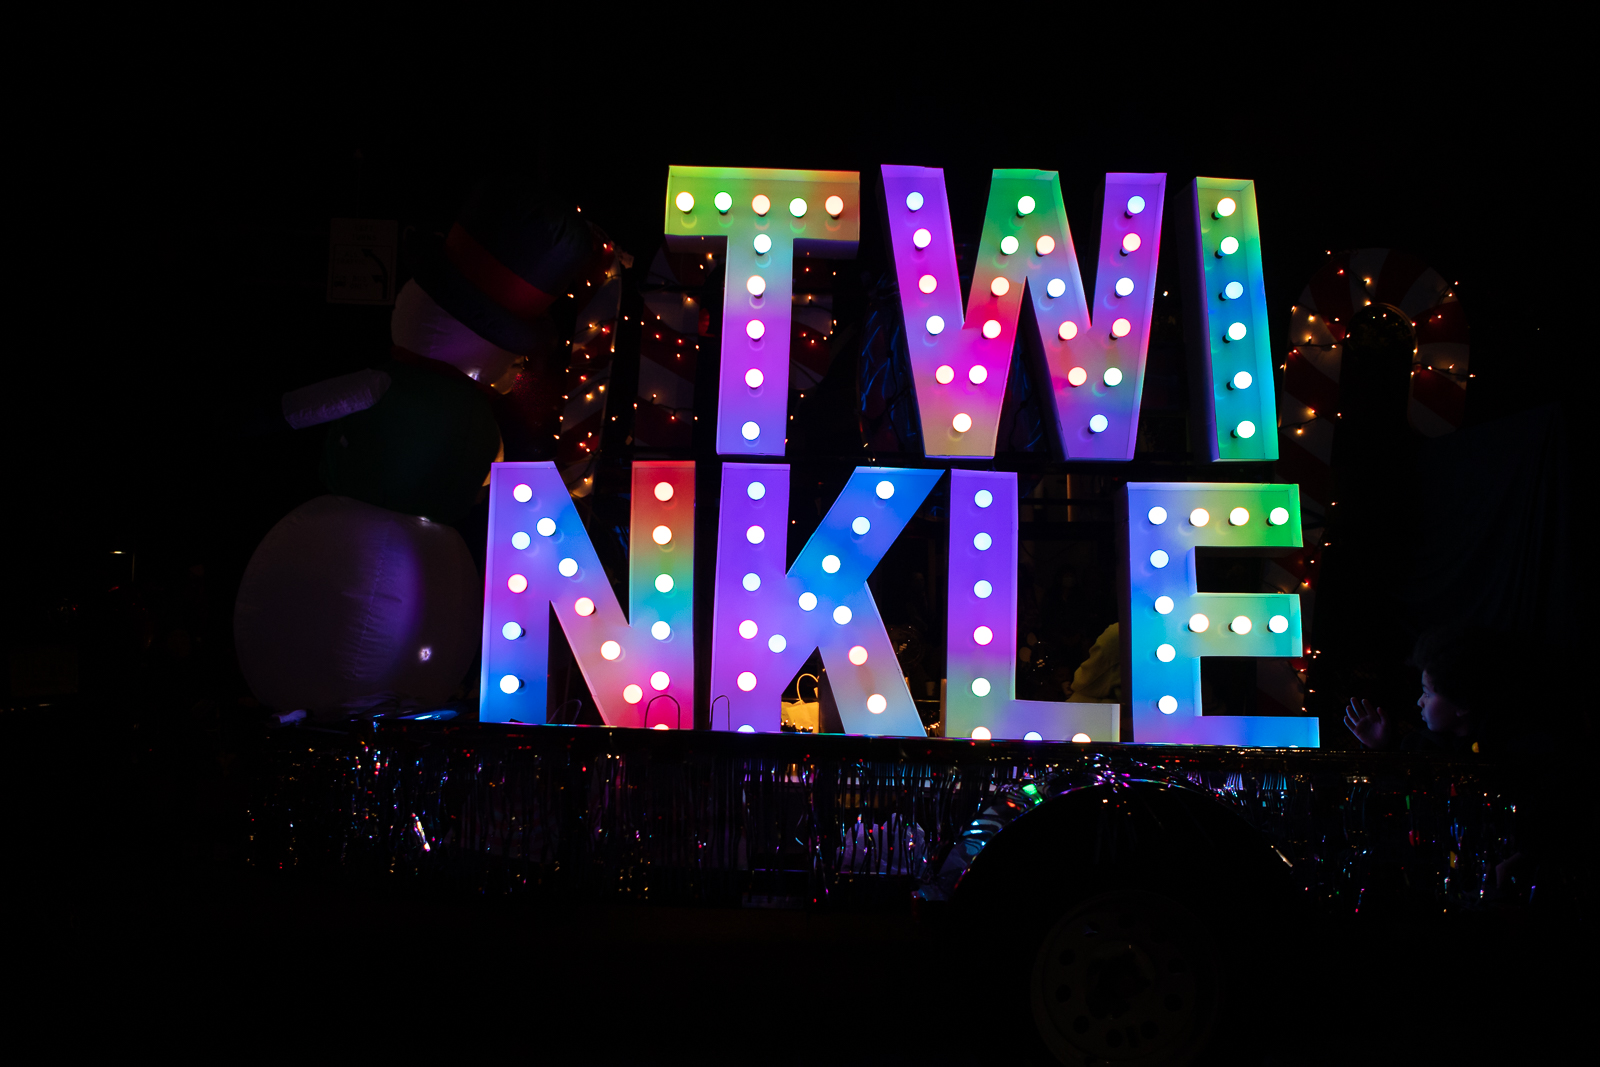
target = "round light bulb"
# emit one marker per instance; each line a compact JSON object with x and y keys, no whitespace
{"x":1025,"y":206}
{"x":659,"y":681}
{"x":841,"y":615}
{"x":982,"y":589}
{"x":1121,"y":328}
{"x":1226,"y":207}
{"x":568,"y":567}
{"x":1199,"y":517}
{"x":980,"y":688}
{"x":1233,"y":290}
{"x":1098,"y":423}
{"x":750,"y":431}
{"x":834,"y":206}
{"x":1135,"y":205}
{"x":1055,"y":287}
{"x":1124,"y":286}
{"x":1278,"y":624}
{"x":1199,"y":623}
{"x":1077,"y":376}
{"x":517,"y":583}
{"x":1164,"y":605}
{"x":522,"y":493}
{"x":999,"y":287}
{"x":632,"y":694}
{"x":1009,"y":245}
{"x":797,"y":208}
{"x":583,"y":606}
{"x":1045,"y":245}
{"x":945,"y":375}
{"x":760,"y":204}
{"x":748,"y":629}
{"x":753,"y":378}
{"x":1240,"y":625}
{"x":1236,"y":331}
{"x":664,"y":583}
{"x":510,"y":683}
{"x":1159,"y":559}
{"x":982,"y":542}
{"x":546,"y":526}
{"x":859,"y":525}
{"x":884,"y":489}
{"x":983,"y":498}
{"x":777,"y":643}
{"x":686,"y":202}
{"x":660,"y":630}
{"x":935,"y":325}
{"x":808,"y":601}
{"x":511,"y":631}
{"x":610,"y":649}
{"x":1229,"y":246}
{"x":755,"y":490}
{"x":1242,"y":380}
{"x":1130,"y":243}
{"x":980,"y":733}
{"x":1167,"y":704}
{"x":755,"y":285}
{"x":962,"y":422}
{"x":747,"y":681}
{"x":858,"y":655}
{"x":751,"y":582}
{"x":755,"y":535}
{"x":991,"y":328}
{"x":983,"y":635}
{"x":1068,"y":331}
{"x":831,"y":563}
{"x":927,"y":283}
{"x":1238,"y":517}
{"x":877,"y":704}
{"x":922,"y":238}
{"x":1112,"y":377}
{"x":1157,"y":516}
{"x":755,"y":329}
{"x":1166,"y":653}
{"x":1245,"y":430}
{"x":723,"y":201}
{"x":914,"y":201}
{"x":520,"y":540}
{"x":977,"y":375}
{"x":763,"y":244}
{"x":663,"y":491}
{"x":1278,"y":516}
{"x":747,"y":729}
{"x":661,"y":535}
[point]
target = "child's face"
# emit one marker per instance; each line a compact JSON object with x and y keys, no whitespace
{"x":1437,"y":710}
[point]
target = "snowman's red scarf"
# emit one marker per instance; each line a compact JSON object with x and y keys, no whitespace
{"x":438,"y":366}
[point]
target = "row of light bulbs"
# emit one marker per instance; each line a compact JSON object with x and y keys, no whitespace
{"x":761,"y":204}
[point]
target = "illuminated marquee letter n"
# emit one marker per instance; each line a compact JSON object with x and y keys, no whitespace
{"x":769,"y":618}
{"x":1170,"y":624}
{"x":1095,"y":354}
{"x":639,"y":669}
{"x":764,"y":218}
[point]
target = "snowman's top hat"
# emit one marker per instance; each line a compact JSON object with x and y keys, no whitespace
{"x":513,"y":251}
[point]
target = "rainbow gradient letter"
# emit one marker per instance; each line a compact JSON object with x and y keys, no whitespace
{"x":981,"y":693}
{"x":765,"y":218}
{"x":1095,"y":356}
{"x":640,"y":669}
{"x":1171,"y":624}
{"x":1231,"y":357}
{"x":768,"y":619}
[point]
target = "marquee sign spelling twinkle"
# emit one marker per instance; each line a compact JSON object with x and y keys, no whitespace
{"x":768,"y":617}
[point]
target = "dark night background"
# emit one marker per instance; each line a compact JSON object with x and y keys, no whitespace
{"x":172,"y":270}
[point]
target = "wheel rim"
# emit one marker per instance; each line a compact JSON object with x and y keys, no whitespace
{"x":1124,"y":978}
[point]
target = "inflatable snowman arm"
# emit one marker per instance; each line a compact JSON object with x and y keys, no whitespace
{"x":334,"y":398}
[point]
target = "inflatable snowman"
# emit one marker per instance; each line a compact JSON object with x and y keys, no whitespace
{"x":367,"y":599}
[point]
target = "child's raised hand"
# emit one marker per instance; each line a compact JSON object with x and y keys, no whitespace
{"x":1370,"y":724}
